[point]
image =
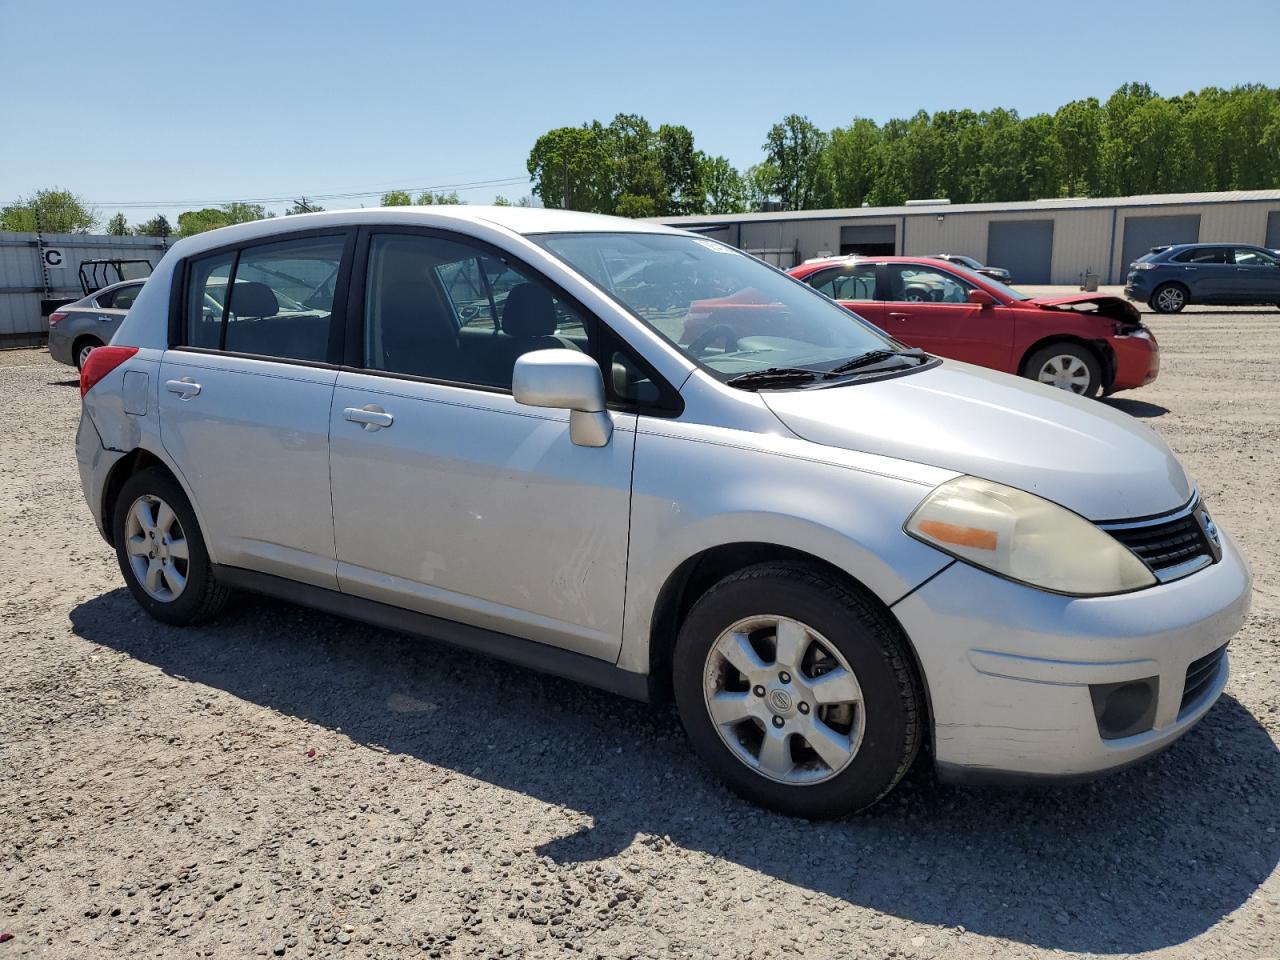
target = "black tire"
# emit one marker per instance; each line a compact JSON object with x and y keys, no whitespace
{"x":77,"y":349}
{"x":1035,"y":363}
{"x":202,"y":597}
{"x":1175,"y":297}
{"x":865,"y":636}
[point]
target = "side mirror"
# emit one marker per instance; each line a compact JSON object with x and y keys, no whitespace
{"x":565,"y":380}
{"x":981,"y":297}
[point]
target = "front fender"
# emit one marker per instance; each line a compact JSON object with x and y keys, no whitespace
{"x":690,"y":495}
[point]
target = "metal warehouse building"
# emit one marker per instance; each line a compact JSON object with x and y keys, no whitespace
{"x":1038,"y":241}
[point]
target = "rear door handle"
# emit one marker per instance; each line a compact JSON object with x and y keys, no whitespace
{"x":370,"y":416}
{"x":899,"y":316}
{"x":186,"y":388}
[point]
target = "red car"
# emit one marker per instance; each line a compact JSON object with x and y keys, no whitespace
{"x":1086,"y":342}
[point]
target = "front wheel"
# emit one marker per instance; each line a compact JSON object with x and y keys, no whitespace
{"x":1067,"y":366}
{"x":161,"y":550}
{"x":797,"y":691}
{"x":1168,"y":298}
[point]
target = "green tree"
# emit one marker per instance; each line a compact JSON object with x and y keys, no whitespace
{"x":637,"y":168}
{"x":572,"y":168}
{"x":157,"y":226}
{"x":427,"y":198}
{"x":795,"y":148}
{"x":761,"y":180}
{"x":722,"y":185}
{"x":118,"y":226}
{"x":501,"y":201}
{"x":681,"y":169}
{"x":1077,"y":127}
{"x":397,"y":198}
{"x":630,"y":205}
{"x":49,"y":211}
{"x":852,"y":155}
{"x":192,"y":222}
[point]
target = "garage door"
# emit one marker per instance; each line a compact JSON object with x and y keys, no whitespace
{"x":1023,"y":247}
{"x":1273,"y":229}
{"x":1143,"y":233}
{"x":869,"y":241}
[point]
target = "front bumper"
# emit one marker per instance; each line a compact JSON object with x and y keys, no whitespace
{"x":1012,"y":671}
{"x":1137,"y":360}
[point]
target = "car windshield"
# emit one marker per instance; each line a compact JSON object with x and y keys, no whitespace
{"x":722,"y":308}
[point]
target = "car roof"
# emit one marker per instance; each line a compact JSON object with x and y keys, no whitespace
{"x":521,"y":220}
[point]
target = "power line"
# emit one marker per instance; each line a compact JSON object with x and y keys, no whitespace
{"x":352,"y":195}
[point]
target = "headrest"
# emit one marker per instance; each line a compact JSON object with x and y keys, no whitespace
{"x":529,"y":312}
{"x":252,"y":299}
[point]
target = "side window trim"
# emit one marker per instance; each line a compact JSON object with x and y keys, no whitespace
{"x":180,"y":288}
{"x":352,"y":356}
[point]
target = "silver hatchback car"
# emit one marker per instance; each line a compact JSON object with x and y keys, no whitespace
{"x":489,"y":426}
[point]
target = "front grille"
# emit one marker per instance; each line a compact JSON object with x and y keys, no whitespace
{"x":1200,"y":675}
{"x":1165,"y":543}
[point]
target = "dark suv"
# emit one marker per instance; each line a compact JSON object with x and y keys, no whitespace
{"x":1168,"y":278}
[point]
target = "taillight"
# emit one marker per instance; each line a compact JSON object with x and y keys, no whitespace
{"x":100,"y":362}
{"x":56,"y":318}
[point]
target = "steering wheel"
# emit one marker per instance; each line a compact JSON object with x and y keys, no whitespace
{"x":708,"y":337}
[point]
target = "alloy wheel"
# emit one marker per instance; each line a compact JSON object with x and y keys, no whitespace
{"x":157,"y":548}
{"x":784,"y":699}
{"x":1066,"y":372}
{"x":1170,"y":299}
{"x":83,"y":355}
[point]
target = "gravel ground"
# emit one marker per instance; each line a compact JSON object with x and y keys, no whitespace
{"x":284,"y":783}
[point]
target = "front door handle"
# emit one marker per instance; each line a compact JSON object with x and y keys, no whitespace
{"x":186,"y":388}
{"x":899,"y":316}
{"x":370,"y":416}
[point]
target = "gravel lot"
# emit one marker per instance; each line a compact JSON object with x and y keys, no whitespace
{"x":286,"y":783}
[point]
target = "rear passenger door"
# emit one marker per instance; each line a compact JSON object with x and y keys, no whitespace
{"x":244,"y":400}
{"x":450,"y":498}
{"x":1208,"y":272}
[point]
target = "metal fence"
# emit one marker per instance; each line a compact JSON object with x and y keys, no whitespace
{"x":39,"y":267}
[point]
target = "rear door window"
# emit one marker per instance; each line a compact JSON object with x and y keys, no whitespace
{"x":280,"y":303}
{"x":847,"y":283}
{"x":1204,"y":255}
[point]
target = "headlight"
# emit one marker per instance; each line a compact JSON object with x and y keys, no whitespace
{"x":1018,"y":535}
{"x":1143,"y":266}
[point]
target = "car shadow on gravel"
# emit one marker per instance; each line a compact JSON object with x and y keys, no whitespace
{"x":1144,"y":859}
{"x":1136,"y":408}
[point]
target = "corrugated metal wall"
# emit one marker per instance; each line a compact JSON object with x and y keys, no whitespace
{"x":1085,"y":239}
{"x":23,"y":280}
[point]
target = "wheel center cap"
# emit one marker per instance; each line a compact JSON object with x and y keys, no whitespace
{"x":781,"y":702}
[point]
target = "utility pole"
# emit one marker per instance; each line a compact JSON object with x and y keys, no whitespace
{"x":564,"y":198}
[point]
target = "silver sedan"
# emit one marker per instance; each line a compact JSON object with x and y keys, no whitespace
{"x":77,"y":328}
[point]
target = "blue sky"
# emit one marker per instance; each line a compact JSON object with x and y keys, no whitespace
{"x":145,"y":102}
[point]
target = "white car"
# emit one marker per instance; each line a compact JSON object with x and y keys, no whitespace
{"x":481,"y":425}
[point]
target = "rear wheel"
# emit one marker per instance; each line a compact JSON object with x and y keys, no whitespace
{"x":1067,"y":366}
{"x":161,"y":551}
{"x":797,"y":691}
{"x":82,"y":348}
{"x":1168,"y":298}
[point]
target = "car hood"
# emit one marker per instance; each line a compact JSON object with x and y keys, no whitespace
{"x":1079,"y":453}
{"x":1117,"y":308}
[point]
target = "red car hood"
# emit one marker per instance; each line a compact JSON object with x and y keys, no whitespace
{"x":1117,"y":308}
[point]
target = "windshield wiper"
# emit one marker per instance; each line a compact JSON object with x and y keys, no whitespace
{"x":773,"y":377}
{"x":875,"y":357}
